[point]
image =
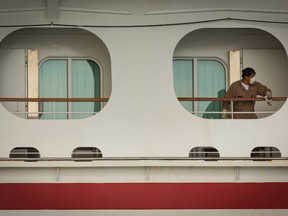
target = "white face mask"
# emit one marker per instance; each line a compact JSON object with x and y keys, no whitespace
{"x":252,"y":80}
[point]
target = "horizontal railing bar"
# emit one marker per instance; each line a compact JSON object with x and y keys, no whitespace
{"x":229,"y":99}
{"x":194,"y":112}
{"x":200,"y":112}
{"x":54,"y":99}
{"x":70,"y":112}
{"x":106,"y":99}
{"x":89,"y":152}
{"x":146,"y":158}
{"x":211,"y":112}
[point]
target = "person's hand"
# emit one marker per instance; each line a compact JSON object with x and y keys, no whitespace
{"x":268,"y":98}
{"x":269,"y":95}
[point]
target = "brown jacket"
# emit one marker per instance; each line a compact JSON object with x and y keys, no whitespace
{"x":236,"y":90}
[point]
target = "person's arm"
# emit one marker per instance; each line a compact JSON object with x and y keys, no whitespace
{"x":264,"y":91}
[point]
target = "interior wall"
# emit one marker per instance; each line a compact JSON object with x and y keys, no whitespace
{"x":271,"y":70}
{"x":13,"y":73}
{"x":217,"y":43}
{"x":57,"y":43}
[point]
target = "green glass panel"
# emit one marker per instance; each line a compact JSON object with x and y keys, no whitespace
{"x":53,"y":84}
{"x":85,"y":84}
{"x":211,"y":83}
{"x":183,"y":81}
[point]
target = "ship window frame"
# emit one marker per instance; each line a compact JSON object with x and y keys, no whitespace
{"x":70,"y":84}
{"x":195,"y":93}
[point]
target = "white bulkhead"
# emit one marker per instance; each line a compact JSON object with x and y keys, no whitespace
{"x":143,"y":133}
{"x":143,"y":117}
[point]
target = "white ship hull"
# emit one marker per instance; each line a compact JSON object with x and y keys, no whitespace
{"x":147,"y":151}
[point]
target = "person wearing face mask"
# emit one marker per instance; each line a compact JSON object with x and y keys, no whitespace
{"x":247,"y":87}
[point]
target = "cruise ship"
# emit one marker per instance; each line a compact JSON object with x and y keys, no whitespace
{"x":115,"y":108}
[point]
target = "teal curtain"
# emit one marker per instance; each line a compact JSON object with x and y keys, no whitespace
{"x":53,"y":84}
{"x":211,"y":83}
{"x":85,"y":84}
{"x":183,"y":81}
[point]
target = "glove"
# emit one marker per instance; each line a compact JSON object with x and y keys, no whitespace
{"x":269,"y":95}
{"x":268,"y":98}
{"x":224,"y":114}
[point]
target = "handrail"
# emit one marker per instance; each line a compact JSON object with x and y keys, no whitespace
{"x":229,"y":99}
{"x":6,"y":99}
{"x":54,"y":99}
{"x":38,"y":112}
{"x":144,"y":158}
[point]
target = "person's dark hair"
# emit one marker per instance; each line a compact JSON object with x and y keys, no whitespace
{"x":248,"y":72}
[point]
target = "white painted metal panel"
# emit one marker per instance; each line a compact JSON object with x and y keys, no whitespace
{"x":13,"y":77}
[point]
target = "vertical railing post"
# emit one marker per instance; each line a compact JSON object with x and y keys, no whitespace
{"x":54,"y":110}
{"x":232,"y":109}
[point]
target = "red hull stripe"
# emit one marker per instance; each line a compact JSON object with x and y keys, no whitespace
{"x":72,"y":196}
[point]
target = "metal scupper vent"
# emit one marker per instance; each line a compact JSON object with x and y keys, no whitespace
{"x":24,"y":153}
{"x":204,"y":152}
{"x":86,"y":153}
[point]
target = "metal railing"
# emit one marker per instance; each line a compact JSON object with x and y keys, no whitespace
{"x":23,"y":110}
{"x":26,"y":113}
{"x":31,"y":154}
{"x":231,"y":111}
